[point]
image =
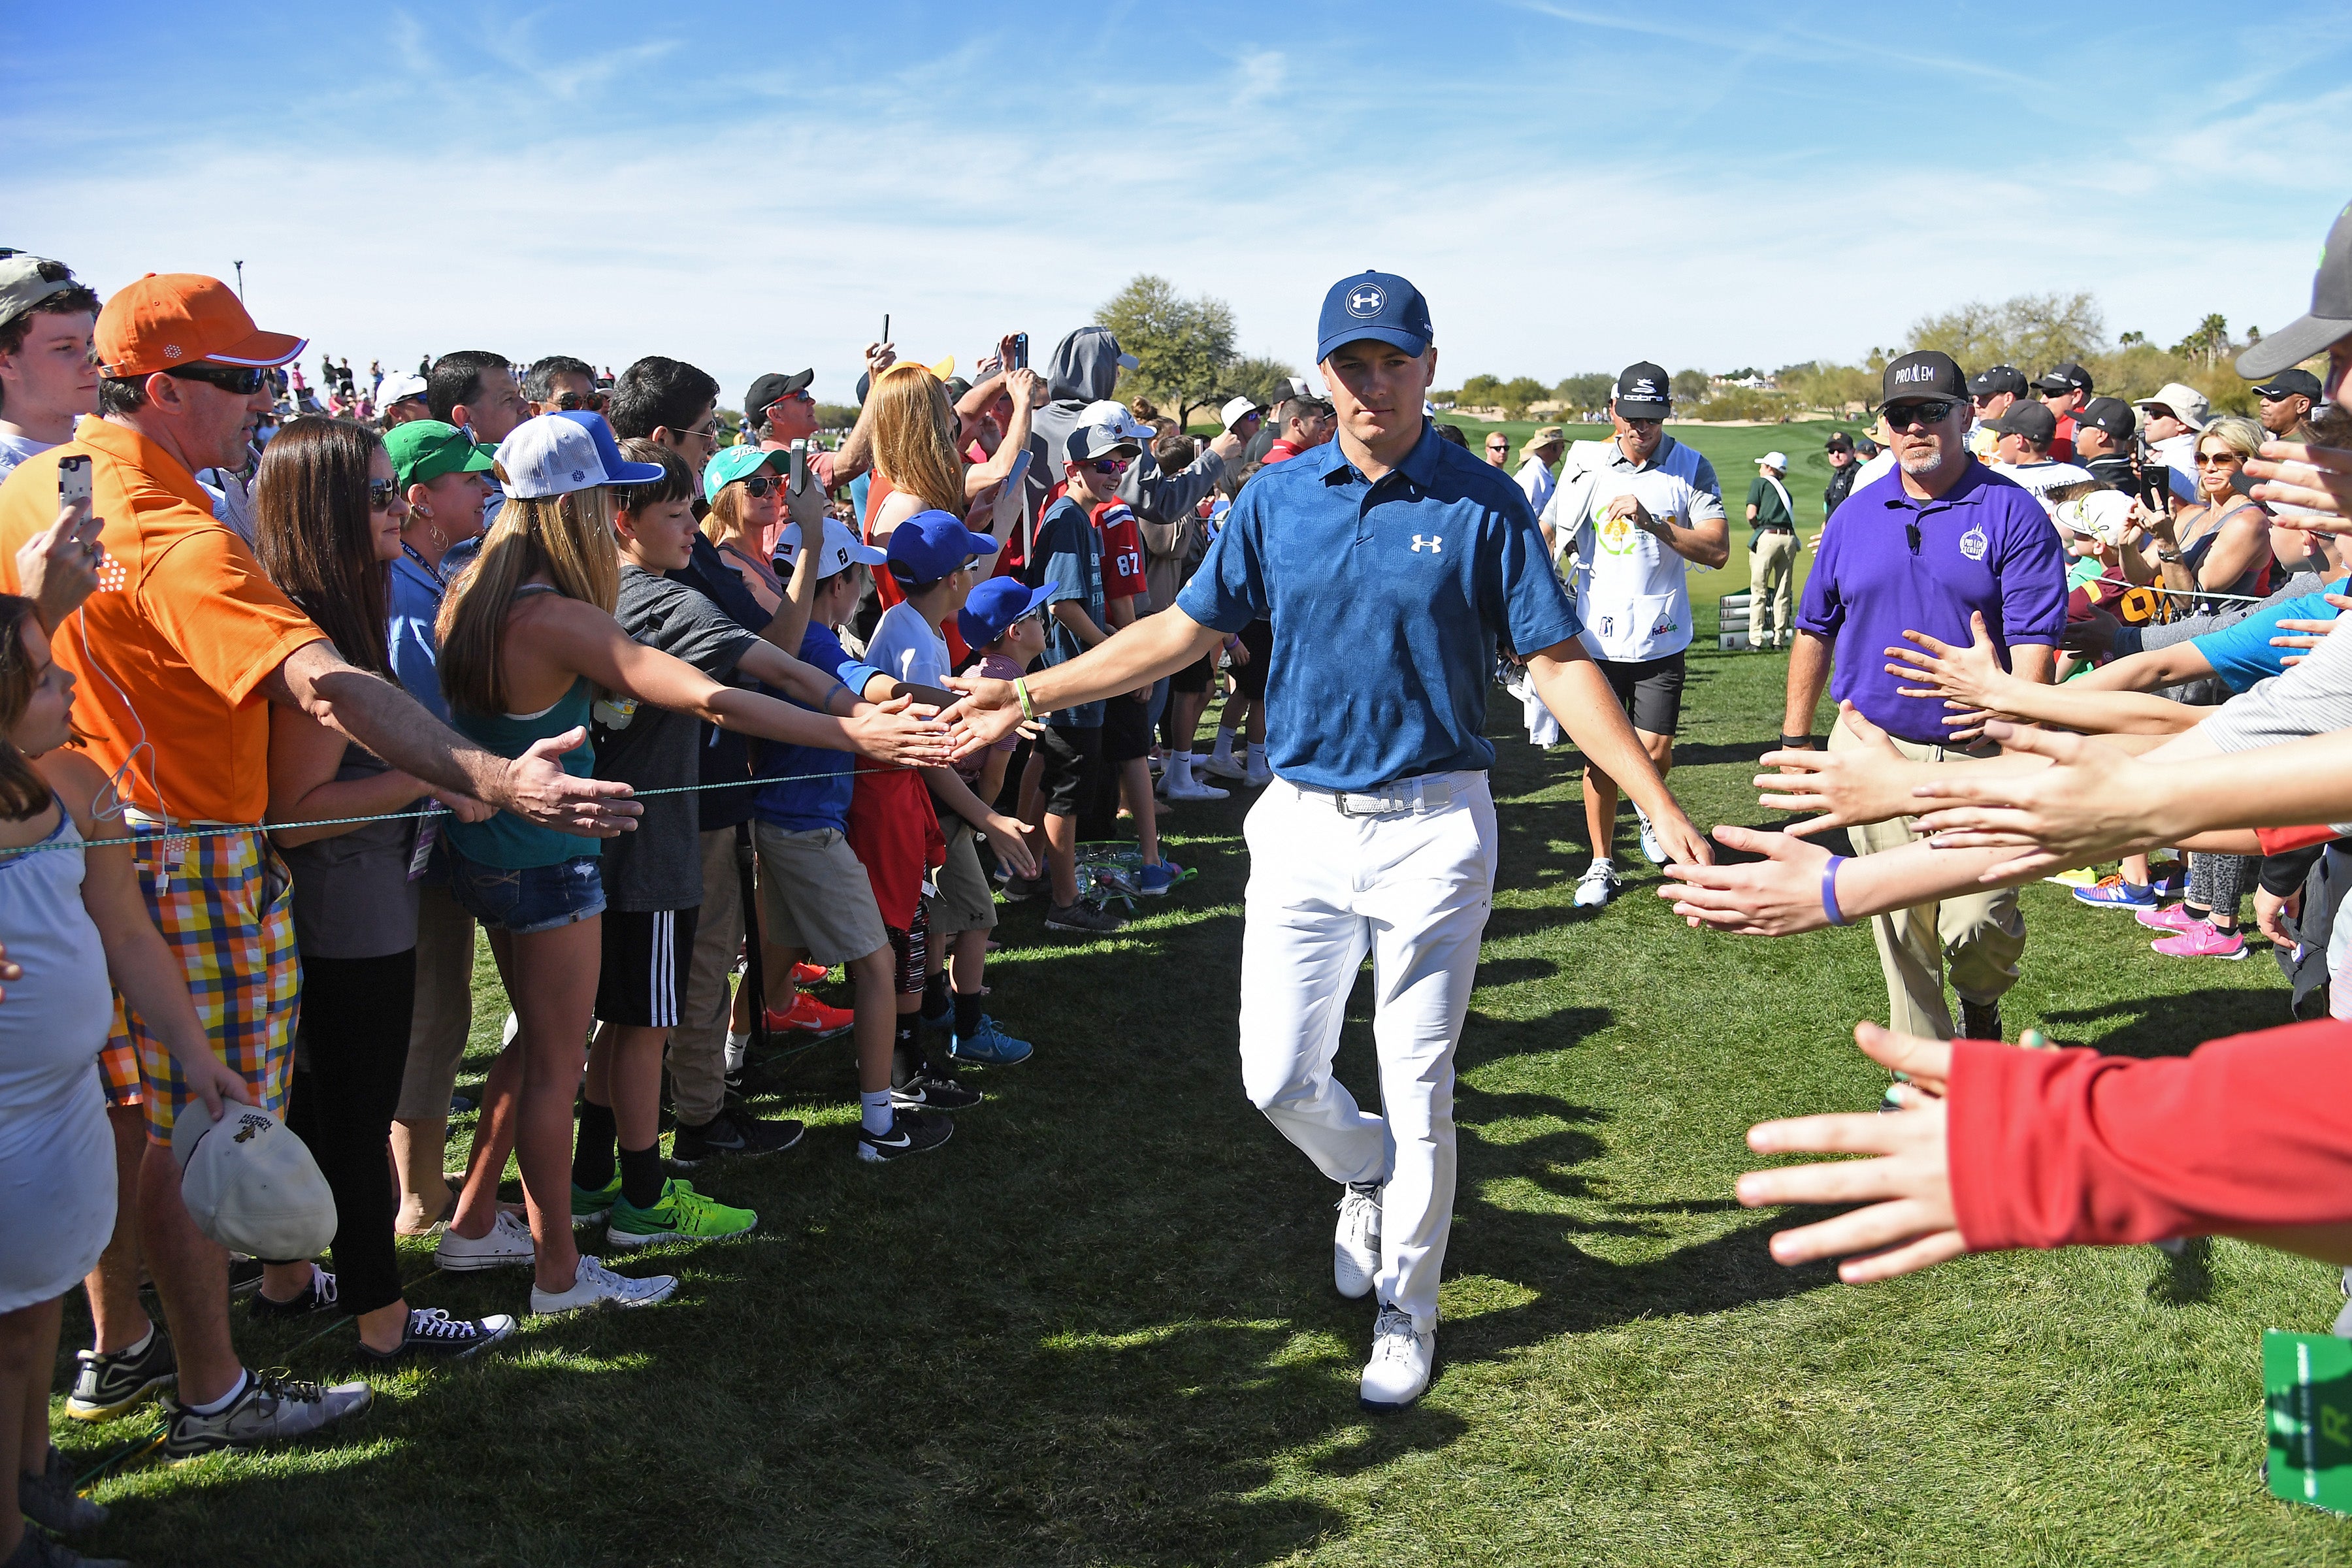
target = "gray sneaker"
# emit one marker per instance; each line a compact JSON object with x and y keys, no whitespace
{"x":271,"y":1410}
{"x":40,"y":1551}
{"x":49,"y":1501}
{"x":1082,"y":917}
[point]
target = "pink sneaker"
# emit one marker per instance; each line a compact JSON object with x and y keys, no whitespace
{"x":2201,"y":941}
{"x":2172,"y":916}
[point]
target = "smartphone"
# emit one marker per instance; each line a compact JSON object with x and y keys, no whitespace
{"x":886,"y":326}
{"x":1020,"y":352}
{"x":73,"y":482}
{"x":800,"y":464}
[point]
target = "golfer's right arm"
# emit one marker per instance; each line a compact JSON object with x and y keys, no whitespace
{"x":1132,"y":658}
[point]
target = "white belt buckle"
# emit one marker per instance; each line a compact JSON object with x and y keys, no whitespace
{"x":1385,"y":802}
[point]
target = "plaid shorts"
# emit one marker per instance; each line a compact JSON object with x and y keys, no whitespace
{"x":117,"y":1064}
{"x":227,"y":910}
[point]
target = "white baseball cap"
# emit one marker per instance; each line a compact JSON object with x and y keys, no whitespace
{"x":2103,"y":513}
{"x":2185,"y":400}
{"x":398,"y":388}
{"x":1115,"y":416}
{"x":1774,"y":460}
{"x":1239,"y":409}
{"x":840,"y":548}
{"x":250,"y":1185}
{"x":556,"y":454}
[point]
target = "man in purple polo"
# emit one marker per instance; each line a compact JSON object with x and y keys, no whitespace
{"x":1937,"y":539}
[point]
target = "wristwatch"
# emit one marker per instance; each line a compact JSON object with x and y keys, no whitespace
{"x":2170,"y":557}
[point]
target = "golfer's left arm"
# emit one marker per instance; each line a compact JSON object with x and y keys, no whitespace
{"x":1579,"y":696}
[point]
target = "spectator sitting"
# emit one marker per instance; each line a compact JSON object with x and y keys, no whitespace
{"x":2220,"y":547}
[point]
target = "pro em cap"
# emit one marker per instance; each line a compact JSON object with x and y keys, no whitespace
{"x":2331,"y":310}
{"x":1643,"y":392}
{"x":1922,"y":375}
{"x":1380,"y":306}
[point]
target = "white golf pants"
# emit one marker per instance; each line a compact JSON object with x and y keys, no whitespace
{"x":1412,"y":889}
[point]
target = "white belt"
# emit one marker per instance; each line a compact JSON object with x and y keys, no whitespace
{"x":1421,"y":796}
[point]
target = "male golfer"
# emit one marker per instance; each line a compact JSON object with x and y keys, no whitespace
{"x":1389,"y":562}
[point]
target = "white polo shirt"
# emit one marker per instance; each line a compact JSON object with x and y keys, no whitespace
{"x":1632,"y":591}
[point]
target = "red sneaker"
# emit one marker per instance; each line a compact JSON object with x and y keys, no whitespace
{"x":812,"y":1018}
{"x":807,"y":974}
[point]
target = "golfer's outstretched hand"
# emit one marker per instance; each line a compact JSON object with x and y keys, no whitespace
{"x":1772,"y":897}
{"x":1909,"y":1223}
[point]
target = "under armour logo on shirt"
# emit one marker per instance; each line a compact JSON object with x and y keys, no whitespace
{"x":1434,"y":542}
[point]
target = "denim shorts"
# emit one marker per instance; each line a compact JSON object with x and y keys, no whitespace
{"x":534,"y":899}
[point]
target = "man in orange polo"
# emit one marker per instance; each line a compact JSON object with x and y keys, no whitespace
{"x":178,"y":657}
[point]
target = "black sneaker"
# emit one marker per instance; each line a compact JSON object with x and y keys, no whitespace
{"x":49,"y":1501}
{"x":1089,"y":918}
{"x":1980,"y":1020}
{"x":928,"y":1091}
{"x":320,"y":1295}
{"x":107,"y":1385}
{"x":912,"y":1133}
{"x":731,"y":1133}
{"x":752,"y":1082}
{"x":1016,"y":888}
{"x":432,"y":1331}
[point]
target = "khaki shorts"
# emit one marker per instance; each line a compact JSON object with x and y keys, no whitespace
{"x":966,"y":902}
{"x":815,"y":895}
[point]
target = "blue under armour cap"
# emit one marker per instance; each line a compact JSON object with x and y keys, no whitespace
{"x":1377,"y":305}
{"x":930,"y":544}
{"x":995,"y":605}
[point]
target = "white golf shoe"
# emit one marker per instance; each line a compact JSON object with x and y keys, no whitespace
{"x":1401,"y":1359}
{"x":1356,"y":1246}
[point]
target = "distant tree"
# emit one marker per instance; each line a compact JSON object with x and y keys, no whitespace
{"x":1259,"y":378}
{"x":1481,"y":391}
{"x":1690,"y":385}
{"x":2031,"y":331}
{"x":1745,"y":373}
{"x":2208,"y":343}
{"x":1519,"y":392}
{"x":1183,"y":347}
{"x":1590,"y":390}
{"x":2129,"y":339}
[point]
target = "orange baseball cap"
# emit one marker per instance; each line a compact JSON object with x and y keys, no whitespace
{"x":171,"y":318}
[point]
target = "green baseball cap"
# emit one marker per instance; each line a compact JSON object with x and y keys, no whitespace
{"x":425,"y":449}
{"x":734,"y":463}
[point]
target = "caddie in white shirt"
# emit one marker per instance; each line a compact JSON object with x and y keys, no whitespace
{"x":1633,"y":516}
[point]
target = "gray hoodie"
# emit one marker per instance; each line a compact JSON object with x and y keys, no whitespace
{"x":1085,"y":369}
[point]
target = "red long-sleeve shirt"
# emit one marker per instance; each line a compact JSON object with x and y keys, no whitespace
{"x":2060,"y":1148}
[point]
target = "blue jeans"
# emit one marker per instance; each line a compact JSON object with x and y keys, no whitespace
{"x":533,"y":898}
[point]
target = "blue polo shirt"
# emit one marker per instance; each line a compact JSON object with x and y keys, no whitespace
{"x":2241,"y":654}
{"x":417,"y":591}
{"x":1386,"y":600}
{"x":1983,"y":546}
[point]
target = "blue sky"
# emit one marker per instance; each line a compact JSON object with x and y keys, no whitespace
{"x":1573,"y":185}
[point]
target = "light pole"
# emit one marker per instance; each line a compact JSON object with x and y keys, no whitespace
{"x":240,"y":282}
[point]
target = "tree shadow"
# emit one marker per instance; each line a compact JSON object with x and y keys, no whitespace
{"x":2171,"y":1024}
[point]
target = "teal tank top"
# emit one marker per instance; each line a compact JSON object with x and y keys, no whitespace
{"x":508,"y":841}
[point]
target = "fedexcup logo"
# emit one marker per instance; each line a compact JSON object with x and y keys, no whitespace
{"x":1366,"y":299}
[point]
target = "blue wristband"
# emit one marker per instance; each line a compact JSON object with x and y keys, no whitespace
{"x":1829,"y":892}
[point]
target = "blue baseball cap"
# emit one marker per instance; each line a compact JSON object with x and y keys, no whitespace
{"x":556,"y":454}
{"x":930,"y":544}
{"x":1377,"y":305}
{"x":993,"y":606}
{"x":618,"y":470}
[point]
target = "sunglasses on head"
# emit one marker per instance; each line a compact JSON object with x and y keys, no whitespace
{"x":1915,"y":416}
{"x":244,"y":380}
{"x":382,"y":493}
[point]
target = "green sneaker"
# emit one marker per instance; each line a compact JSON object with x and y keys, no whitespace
{"x":588,"y":1207}
{"x":682,"y":1214}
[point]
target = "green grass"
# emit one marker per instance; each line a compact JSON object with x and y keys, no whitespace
{"x":1098,"y":1326}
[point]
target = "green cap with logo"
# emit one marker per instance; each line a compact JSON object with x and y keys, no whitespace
{"x":425,"y":449}
{"x":734,"y":463}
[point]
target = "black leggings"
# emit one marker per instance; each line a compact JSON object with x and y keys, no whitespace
{"x":353,"y":1047}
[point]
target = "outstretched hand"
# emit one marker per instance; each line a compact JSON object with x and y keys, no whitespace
{"x":2095,"y":800}
{"x":539,"y":789}
{"x":901,"y":733}
{"x":1966,"y":678}
{"x":990,"y":710}
{"x":1909,"y":1223}
{"x":2319,"y":478}
{"x":1848,"y":787}
{"x":1772,"y":897}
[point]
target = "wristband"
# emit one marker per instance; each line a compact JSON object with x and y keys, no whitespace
{"x":1021,"y":690}
{"x":1796,"y":742}
{"x":1829,"y":892}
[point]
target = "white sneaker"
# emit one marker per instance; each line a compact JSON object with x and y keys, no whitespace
{"x":1401,"y":1358}
{"x":508,"y":1243}
{"x":1356,"y":1246}
{"x":1257,"y":776}
{"x":1193,"y":789}
{"x":1652,"y":850}
{"x":1596,"y":885}
{"x":597,"y":1286}
{"x":1222,"y":765}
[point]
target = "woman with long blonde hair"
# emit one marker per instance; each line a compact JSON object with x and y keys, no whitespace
{"x":528,"y":641}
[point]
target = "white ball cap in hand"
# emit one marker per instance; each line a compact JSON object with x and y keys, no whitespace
{"x":250,"y":1185}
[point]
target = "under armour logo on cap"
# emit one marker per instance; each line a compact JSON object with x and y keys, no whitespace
{"x":1366,"y":299}
{"x":1376,"y":307}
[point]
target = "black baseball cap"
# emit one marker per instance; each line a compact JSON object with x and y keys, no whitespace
{"x":1922,"y":375}
{"x":771,"y":388}
{"x":1643,"y":392}
{"x":2330,"y":318}
{"x":2028,"y":418}
{"x":2000,"y":378}
{"x":1838,"y":442}
{"x":2067,"y":377}
{"x":2290,"y":384}
{"x":2112,"y":414}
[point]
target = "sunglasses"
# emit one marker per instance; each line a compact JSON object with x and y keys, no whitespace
{"x":594,"y":402}
{"x":2218,"y":459}
{"x":2276,"y":396}
{"x":1915,"y":416}
{"x":382,"y":493}
{"x":761,"y":484}
{"x":1109,"y":465}
{"x":244,"y":380}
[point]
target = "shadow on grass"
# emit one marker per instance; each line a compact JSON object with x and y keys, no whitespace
{"x":2171,"y":1024}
